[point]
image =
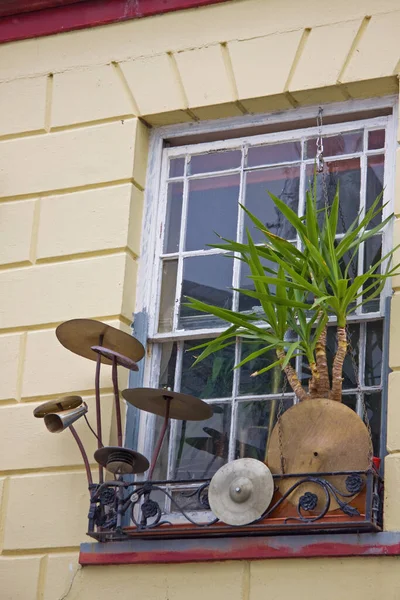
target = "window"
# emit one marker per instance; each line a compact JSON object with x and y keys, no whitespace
{"x":201,"y":187}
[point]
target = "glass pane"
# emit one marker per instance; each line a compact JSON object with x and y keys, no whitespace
{"x":173,"y":218}
{"x":373,"y":353}
{"x":372,"y":254}
{"x":168,"y":291}
{"x":176,"y":167}
{"x":373,"y":406}
{"x":346,"y":173}
{"x":206,"y":278}
{"x":212,"y":209}
{"x":283,"y":182}
{"x":260,"y":385}
{"x":161,"y":469}
{"x":247,"y":303}
{"x":376,"y":139}
{"x":215,"y":161}
{"x":167,"y":366}
{"x":374,"y":185}
{"x":335,"y":145}
{"x":210,"y":378}
{"x":202,"y":446}
{"x":255,"y":422}
{"x":273,"y":153}
{"x":350,"y":400}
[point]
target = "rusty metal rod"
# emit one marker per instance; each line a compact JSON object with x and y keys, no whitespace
{"x":117,"y":400}
{"x":98,"y":407}
{"x":84,"y":455}
{"x":161,"y":437}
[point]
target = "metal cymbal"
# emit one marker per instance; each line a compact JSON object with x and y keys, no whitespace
{"x":66,"y":403}
{"x":182,"y":406}
{"x":241,"y":491}
{"x":80,"y":335}
{"x":122,"y":461}
{"x":122,"y":361}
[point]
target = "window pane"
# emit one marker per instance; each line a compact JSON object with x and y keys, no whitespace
{"x":350,"y":400}
{"x":167,"y":365}
{"x":215,"y":161}
{"x":161,"y":469}
{"x":212,"y":209}
{"x":273,"y":153}
{"x":202,"y":447}
{"x":247,"y":303}
{"x":260,"y":385}
{"x":348,"y":143}
{"x":176,"y":167}
{"x":206,"y":278}
{"x":210,"y":378}
{"x":283,"y":182}
{"x":168,"y":291}
{"x":255,"y":422}
{"x":372,"y":254}
{"x":173,"y":218}
{"x":373,"y":353}
{"x":376,"y":139}
{"x":373,"y":406}
{"x":346,"y":173}
{"x":374,"y":186}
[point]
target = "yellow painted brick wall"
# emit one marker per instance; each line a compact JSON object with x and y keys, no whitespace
{"x":75,"y":113}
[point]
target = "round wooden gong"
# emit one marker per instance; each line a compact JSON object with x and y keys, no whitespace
{"x":318,"y":436}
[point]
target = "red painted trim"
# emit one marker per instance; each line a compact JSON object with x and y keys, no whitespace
{"x":14,"y":7}
{"x":65,"y":16}
{"x":246,"y":548}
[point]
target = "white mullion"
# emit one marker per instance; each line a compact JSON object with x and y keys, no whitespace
{"x":389,"y":176}
{"x":173,"y":428}
{"x":235,"y":391}
{"x":362,"y":344}
{"x":239,"y":232}
{"x":190,"y":253}
{"x":363,"y":199}
{"x":214,"y":174}
{"x":182,"y":241}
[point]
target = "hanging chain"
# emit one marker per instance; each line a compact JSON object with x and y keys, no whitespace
{"x":281,"y":410}
{"x":319,"y":158}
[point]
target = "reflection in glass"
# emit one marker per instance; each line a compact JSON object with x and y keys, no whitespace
{"x":376,"y":139}
{"x":206,"y":278}
{"x":266,"y":383}
{"x":373,"y":353}
{"x":212,"y":209}
{"x":283,"y":182}
{"x":246,"y":303}
{"x":212,"y":377}
{"x":273,"y":153}
{"x":202,"y":446}
{"x":173,"y":217}
{"x":215,"y":161}
{"x":255,"y":422}
{"x":374,"y":186}
{"x":335,"y":145}
{"x":346,"y":173}
{"x":167,"y":365}
{"x":350,"y":400}
{"x":168,"y":291}
{"x":176,"y":167}
{"x":372,"y":254}
{"x":161,"y":469}
{"x":373,"y":407}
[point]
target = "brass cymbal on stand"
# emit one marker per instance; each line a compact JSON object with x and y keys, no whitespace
{"x":122,"y":361}
{"x":55,"y":406}
{"x":121,"y":461}
{"x":181,"y":406}
{"x":80,"y":335}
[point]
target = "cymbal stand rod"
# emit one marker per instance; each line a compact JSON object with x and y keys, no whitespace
{"x":84,"y":455}
{"x":161,"y":438}
{"x":98,"y":407}
{"x":117,"y":401}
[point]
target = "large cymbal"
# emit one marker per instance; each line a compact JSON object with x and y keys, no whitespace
{"x":79,"y":335}
{"x":241,"y":491}
{"x":119,"y":460}
{"x":59,"y":405}
{"x":182,"y":406}
{"x":317,"y":436}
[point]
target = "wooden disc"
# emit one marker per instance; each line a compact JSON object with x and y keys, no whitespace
{"x":182,"y":406}
{"x":317,"y":436}
{"x":79,"y":335}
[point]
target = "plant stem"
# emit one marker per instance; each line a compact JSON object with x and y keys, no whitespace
{"x":337,"y":368}
{"x":313,"y":385}
{"x":322,"y":365}
{"x":293,"y":380}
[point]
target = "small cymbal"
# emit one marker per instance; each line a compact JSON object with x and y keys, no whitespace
{"x":182,"y":407}
{"x":241,"y":491}
{"x":66,"y":403}
{"x":122,"y":361}
{"x":80,"y":335}
{"x":122,"y":461}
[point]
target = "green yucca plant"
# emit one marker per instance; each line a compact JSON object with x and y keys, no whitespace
{"x":300,"y":289}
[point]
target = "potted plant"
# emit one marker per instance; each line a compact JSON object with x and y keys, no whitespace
{"x":300,"y":289}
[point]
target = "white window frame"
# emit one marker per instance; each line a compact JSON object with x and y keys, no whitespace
{"x":148,"y":284}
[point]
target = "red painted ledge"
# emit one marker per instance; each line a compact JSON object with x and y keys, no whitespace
{"x":58,"y":16}
{"x":243,"y":548}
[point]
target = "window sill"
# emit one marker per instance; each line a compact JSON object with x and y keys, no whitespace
{"x":244,"y":548}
